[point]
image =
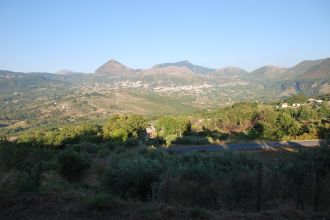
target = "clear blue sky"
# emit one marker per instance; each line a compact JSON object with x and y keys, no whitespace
{"x":81,"y":35}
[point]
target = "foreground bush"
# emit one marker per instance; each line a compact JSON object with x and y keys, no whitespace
{"x":103,"y":200}
{"x":71,"y":164}
{"x":132,"y":177}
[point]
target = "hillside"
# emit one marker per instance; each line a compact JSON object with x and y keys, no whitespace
{"x":194,"y":68}
{"x":165,"y":88}
{"x":230,"y":71}
{"x":268,"y":73}
{"x":310,"y":77}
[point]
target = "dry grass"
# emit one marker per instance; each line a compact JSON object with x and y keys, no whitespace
{"x":53,"y":207}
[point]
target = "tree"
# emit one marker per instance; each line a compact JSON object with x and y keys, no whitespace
{"x":286,"y":125}
{"x":120,"y":128}
{"x":324,"y":111}
{"x":298,"y":98}
{"x":170,"y":128}
{"x":306,"y":113}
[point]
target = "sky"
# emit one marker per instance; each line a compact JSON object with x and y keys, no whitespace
{"x":81,"y":35}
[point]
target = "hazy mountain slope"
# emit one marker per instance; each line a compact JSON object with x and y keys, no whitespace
{"x":300,"y":69}
{"x":11,"y":81}
{"x":268,"y":72}
{"x":194,"y":68}
{"x":321,"y":70}
{"x":67,"y":72}
{"x":229,"y":71}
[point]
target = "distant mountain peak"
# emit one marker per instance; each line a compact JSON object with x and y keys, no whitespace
{"x":113,"y":61}
{"x":114,"y":68}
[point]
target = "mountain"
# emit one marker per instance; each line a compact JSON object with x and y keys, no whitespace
{"x":308,"y":69}
{"x":230,"y":71}
{"x":309,"y":76}
{"x":66,"y":72}
{"x":179,"y":71}
{"x":194,"y":68}
{"x":268,"y":72}
{"x":319,"y":69}
{"x":114,"y":68}
{"x":300,"y":69}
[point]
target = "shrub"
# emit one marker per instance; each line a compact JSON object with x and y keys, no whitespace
{"x":170,"y":138}
{"x":197,"y":213}
{"x":15,"y":182}
{"x":71,"y":164}
{"x":307,"y":113}
{"x":12,"y":156}
{"x":104,"y":152}
{"x":86,"y":147}
{"x":52,"y":182}
{"x":131,"y":142}
{"x":103,"y":200}
{"x":132,"y":177}
{"x":157,"y":141}
{"x":192,"y":140}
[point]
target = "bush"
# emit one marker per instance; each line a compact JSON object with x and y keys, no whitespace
{"x":86,"y":147}
{"x":52,"y":182}
{"x":169,"y":139}
{"x":103,"y":200}
{"x":12,"y":156}
{"x":15,"y":182}
{"x":132,"y":177}
{"x":131,"y":142}
{"x":104,"y":152}
{"x":157,"y":141}
{"x":192,"y":140}
{"x":307,"y":113}
{"x":197,"y":213}
{"x":71,"y":164}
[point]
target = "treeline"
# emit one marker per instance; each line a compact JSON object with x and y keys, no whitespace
{"x":118,"y":130}
{"x":254,"y":121}
{"x":240,"y":122}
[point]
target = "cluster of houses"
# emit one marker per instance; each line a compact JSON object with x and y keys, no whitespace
{"x":317,"y":101}
{"x":296,"y":105}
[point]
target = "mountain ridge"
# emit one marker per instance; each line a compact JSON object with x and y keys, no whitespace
{"x":310,"y":76}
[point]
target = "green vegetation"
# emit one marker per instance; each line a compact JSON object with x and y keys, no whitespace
{"x":239,"y":122}
{"x":171,"y":128}
{"x":114,"y":166}
{"x":71,"y":164}
{"x":199,"y":183}
{"x":125,"y":129}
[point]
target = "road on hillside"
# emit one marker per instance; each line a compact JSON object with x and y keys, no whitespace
{"x":258,"y":145}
